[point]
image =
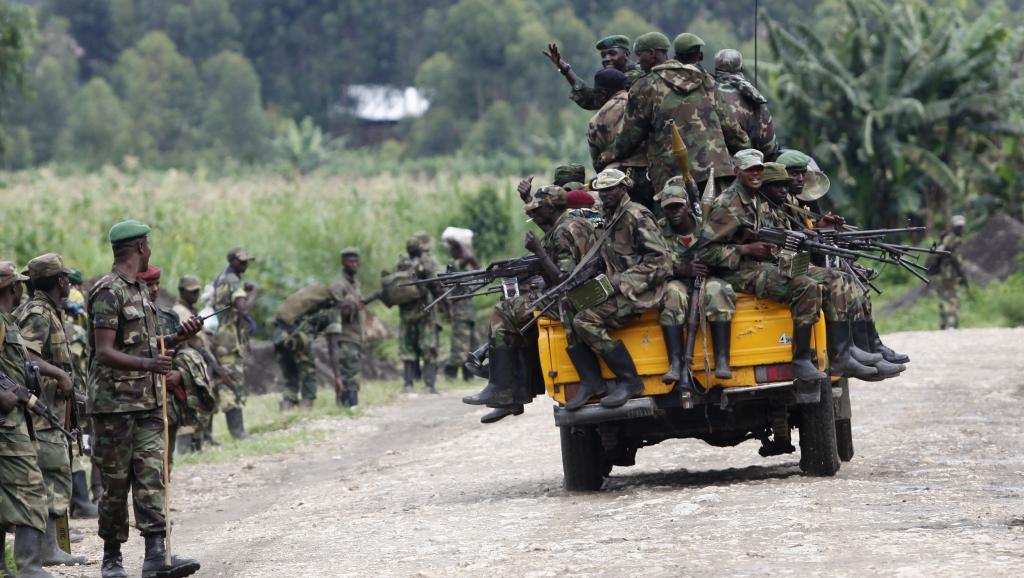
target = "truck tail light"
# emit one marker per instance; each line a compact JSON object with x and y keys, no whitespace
{"x":773,"y":373}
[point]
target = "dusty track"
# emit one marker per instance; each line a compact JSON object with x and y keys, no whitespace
{"x":421,"y":488}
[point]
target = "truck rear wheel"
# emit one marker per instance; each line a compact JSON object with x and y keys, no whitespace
{"x":844,"y":439}
{"x":819,"y":455}
{"x":582,"y":459}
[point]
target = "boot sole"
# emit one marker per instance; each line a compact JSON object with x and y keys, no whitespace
{"x":518,"y":411}
{"x":178,"y":572}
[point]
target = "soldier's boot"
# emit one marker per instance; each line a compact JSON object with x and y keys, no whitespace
{"x":467,"y":375}
{"x":859,"y":348}
{"x":185,"y":444}
{"x":721,"y":340}
{"x":112,"y":565}
{"x":475,"y":362}
{"x":236,"y":423}
{"x":499,"y":413}
{"x":353,"y":398}
{"x":499,"y":390}
{"x":803,"y":368}
{"x":52,"y":555}
{"x":878,"y":347}
{"x":430,"y":377}
{"x":28,"y":552}
{"x":885,"y":369}
{"x":408,"y":376}
{"x":197,"y":442}
{"x":451,"y":372}
{"x":81,"y":507}
{"x":627,"y":381}
{"x":589,"y":369}
{"x":674,"y":346}
{"x":840,"y":362}
{"x":529,"y":381}
{"x":155,"y":566}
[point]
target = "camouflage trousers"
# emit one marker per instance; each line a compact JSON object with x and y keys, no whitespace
{"x":23,"y":497}
{"x":52,"y":455}
{"x":350,"y":362}
{"x":675,"y":303}
{"x":417,"y":340}
{"x":463,"y":341}
{"x":841,"y":298}
{"x":592,"y":325}
{"x":510,"y":315}
{"x":231,"y":394}
{"x":294,"y":353}
{"x":802,"y":293}
{"x":129,"y":451}
{"x":719,"y":300}
{"x":949,"y":304}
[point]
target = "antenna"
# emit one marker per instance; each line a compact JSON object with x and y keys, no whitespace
{"x":756,"y":3}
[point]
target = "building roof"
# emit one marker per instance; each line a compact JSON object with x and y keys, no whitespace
{"x":383,"y":103}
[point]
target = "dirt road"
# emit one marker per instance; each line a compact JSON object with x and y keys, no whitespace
{"x":421,"y":488}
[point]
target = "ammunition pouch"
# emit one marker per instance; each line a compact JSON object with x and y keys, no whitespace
{"x":591,"y":293}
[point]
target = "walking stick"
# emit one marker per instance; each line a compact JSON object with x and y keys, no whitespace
{"x":167,"y":468}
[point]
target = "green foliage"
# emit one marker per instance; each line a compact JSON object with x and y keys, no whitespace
{"x":234,"y":121}
{"x":487,"y":214}
{"x":301,"y":146}
{"x":97,"y":127}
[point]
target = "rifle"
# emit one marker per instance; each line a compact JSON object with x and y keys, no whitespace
{"x":469,"y":284}
{"x":33,"y":403}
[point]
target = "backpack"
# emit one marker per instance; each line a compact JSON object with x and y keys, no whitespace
{"x":303,"y":302}
{"x":392,"y":290}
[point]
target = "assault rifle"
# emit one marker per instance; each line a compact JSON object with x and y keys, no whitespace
{"x":468,"y":284}
{"x":33,"y":403}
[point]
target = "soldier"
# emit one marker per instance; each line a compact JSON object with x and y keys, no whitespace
{"x":125,"y":404}
{"x":461,"y":312}
{"x":950,"y":271}
{"x":23,"y":496}
{"x":614,"y":56}
{"x":740,"y":98}
{"x":42,"y":329}
{"x":350,"y":342}
{"x":637,"y":263}
{"x":231,"y":341}
{"x":305,"y":314}
{"x":417,"y":330}
{"x":569,"y":176}
{"x":188,"y":295}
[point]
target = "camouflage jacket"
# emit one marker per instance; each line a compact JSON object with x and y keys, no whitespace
{"x":42,"y":331}
{"x":682,"y":248}
{"x":687,"y":94}
{"x":734,"y":219}
{"x":588,"y":99}
{"x":195,"y":393}
{"x":425,"y":267}
{"x":568,"y":241}
{"x":948,"y":267}
{"x":233,"y":328}
{"x":350,"y":293}
{"x":605,"y":127}
{"x":749,"y":107}
{"x":121,"y":305}
{"x":461,"y":309}
{"x":636,"y":259}
{"x":14,"y":437}
{"x":79,"y":341}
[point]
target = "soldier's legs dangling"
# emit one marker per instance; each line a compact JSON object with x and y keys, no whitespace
{"x":505,"y":341}
{"x":591,"y":328}
{"x":672,"y":318}
{"x":838,"y":298}
{"x":875,"y":340}
{"x":719,"y":308}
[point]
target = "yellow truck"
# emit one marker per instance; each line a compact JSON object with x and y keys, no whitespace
{"x":760,"y":402}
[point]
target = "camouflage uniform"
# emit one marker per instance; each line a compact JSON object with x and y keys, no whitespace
{"x":603,"y":130}
{"x":231,"y":342}
{"x":719,"y":298}
{"x":739,"y":98}
{"x":589,"y":99}
{"x":42,"y":330}
{"x":293,"y":348}
{"x":125,"y":406}
{"x":350,"y":340}
{"x":195,"y":394}
{"x":637,"y":263}
{"x":200,"y":343}
{"x":463,"y":317}
{"x":23,"y":495}
{"x":687,"y":94}
{"x":949,"y":282}
{"x":417,"y":330}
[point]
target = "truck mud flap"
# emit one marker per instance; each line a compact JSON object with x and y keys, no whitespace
{"x":633,"y":409}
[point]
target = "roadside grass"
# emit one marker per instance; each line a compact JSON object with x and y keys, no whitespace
{"x":995,"y":305}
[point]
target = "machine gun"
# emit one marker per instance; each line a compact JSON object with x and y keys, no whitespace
{"x":468,"y":284}
{"x":33,"y":403}
{"x":875,"y":240}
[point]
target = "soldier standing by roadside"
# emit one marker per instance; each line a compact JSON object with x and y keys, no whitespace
{"x":462,"y":312}
{"x":231,"y":342}
{"x":350,"y":341}
{"x":188,"y":295}
{"x":950,"y":271}
{"x":417,"y":330}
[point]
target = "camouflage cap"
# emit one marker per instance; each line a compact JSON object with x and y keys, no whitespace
{"x":128,"y":230}
{"x":609,"y":178}
{"x":9,"y":274}
{"x":729,"y":60}
{"x":551,"y":196}
{"x":748,"y":158}
{"x":573,"y":186}
{"x":673,"y":195}
{"x":572,"y":172}
{"x":47,"y":265}
{"x":240,"y":254}
{"x":794,"y":159}
{"x":189,"y":283}
{"x":651,"y":41}
{"x":350,"y":251}
{"x":426,"y":241}
{"x":958,"y":221}
{"x":151,"y":274}
{"x":775,"y":173}
{"x":687,"y":42}
{"x":614,"y":41}
{"x":76,"y":277}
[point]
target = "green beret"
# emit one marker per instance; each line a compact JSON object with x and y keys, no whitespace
{"x":794,"y":159}
{"x":687,"y":42}
{"x":569,"y":173}
{"x":128,"y":230}
{"x":614,"y":41}
{"x":651,"y":41}
{"x":350,"y":251}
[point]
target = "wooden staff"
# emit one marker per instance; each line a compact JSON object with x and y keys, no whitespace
{"x":167,"y":465}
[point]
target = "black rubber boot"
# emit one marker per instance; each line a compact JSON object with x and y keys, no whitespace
{"x":878,"y":347}
{"x":52,"y":555}
{"x":154,"y":566}
{"x":408,"y":376}
{"x":113,"y":564}
{"x":236,"y":423}
{"x":353,"y":398}
{"x":860,"y":348}
{"x":499,"y":390}
{"x":475,"y":362}
{"x":29,"y":544}
{"x":862,"y":339}
{"x":840,"y":362}
{"x":81,"y":507}
{"x":627,"y":382}
{"x":430,"y":377}
{"x":803,"y":368}
{"x":591,"y":382}
{"x":721,"y":340}
{"x":184,"y":444}
{"x":674,"y":346}
{"x":500,"y":413}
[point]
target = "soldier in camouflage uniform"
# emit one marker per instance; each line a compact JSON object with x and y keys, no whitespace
{"x":307,"y":313}
{"x":514,"y":373}
{"x":125,"y":404}
{"x":461,"y":312}
{"x":614,"y":56}
{"x":417,"y":329}
{"x":950,"y":272}
{"x":231,"y":341}
{"x":741,"y":99}
{"x":350,"y":342}
{"x":189,"y":288}
{"x":75,"y":322}
{"x":686,"y":94}
{"x":23,"y":495}
{"x":637,"y":263}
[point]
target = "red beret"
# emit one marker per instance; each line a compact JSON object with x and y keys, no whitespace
{"x":151,"y":274}
{"x":579,"y":199}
